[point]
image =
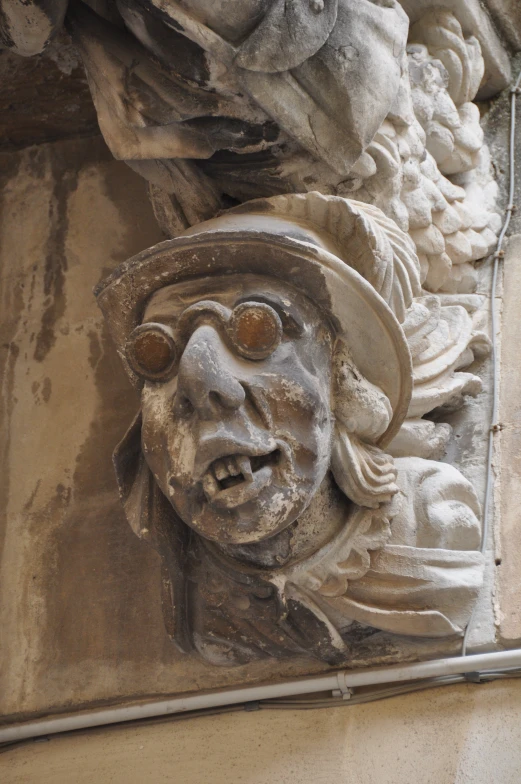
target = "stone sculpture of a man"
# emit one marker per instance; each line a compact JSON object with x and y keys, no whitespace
{"x":274,"y":369}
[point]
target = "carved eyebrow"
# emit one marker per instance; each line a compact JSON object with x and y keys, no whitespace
{"x":292,"y":323}
{"x":203,"y":307}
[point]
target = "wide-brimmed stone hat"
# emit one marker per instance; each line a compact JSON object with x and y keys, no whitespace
{"x":352,"y":261}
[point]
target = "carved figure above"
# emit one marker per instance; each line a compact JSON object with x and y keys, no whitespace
{"x":218,"y":101}
{"x":273,"y":349}
{"x":202,"y":78}
{"x":281,"y":97}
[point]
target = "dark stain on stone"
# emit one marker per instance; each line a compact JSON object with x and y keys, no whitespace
{"x":28,"y":505}
{"x":9,"y":325}
{"x":46,"y":389}
{"x":67,"y":160}
{"x":36,"y":161}
{"x":65,"y":182}
{"x":63,"y":493}
{"x":99,"y":581}
{"x":95,"y":349}
{"x":129,"y":194}
{"x":9,"y":166}
{"x":39,"y":103}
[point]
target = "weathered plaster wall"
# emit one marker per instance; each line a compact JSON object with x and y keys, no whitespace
{"x":506,"y":473}
{"x":79,"y":600}
{"x":451,"y":735}
{"x":79,"y":594}
{"x":61,"y":224}
{"x":508,"y":496}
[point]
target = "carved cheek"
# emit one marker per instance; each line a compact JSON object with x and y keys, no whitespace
{"x":181,"y":445}
{"x":168,"y":442}
{"x":304,"y":392}
{"x":153,"y":433}
{"x":300,"y":405}
{"x":292,"y":396}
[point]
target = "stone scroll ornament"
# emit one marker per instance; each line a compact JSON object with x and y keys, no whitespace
{"x":274,"y":346}
{"x":289,"y":349}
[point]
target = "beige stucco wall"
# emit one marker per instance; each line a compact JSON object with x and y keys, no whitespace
{"x":452,"y":735}
{"x":508,"y":455}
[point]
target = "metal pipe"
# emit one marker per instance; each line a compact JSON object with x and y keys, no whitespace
{"x":337,"y":681}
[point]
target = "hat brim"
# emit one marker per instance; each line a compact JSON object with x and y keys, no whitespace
{"x":372,"y":332}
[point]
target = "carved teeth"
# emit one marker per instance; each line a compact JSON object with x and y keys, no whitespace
{"x":244,"y":464}
{"x":231,"y":465}
{"x":230,"y":481}
{"x":210,"y":485}
{"x":234,"y":465}
{"x":220,"y":470}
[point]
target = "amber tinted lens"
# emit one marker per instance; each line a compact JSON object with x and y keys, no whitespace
{"x":256,"y":329}
{"x":152,"y":352}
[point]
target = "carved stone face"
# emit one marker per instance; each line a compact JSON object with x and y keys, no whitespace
{"x":237,"y":422}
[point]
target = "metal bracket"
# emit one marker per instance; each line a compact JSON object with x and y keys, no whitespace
{"x":343,"y":691}
{"x":473,"y":677}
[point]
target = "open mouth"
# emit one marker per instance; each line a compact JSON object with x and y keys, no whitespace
{"x":235,"y":479}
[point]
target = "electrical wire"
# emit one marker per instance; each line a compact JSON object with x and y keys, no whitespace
{"x":135,"y":723}
{"x":359,"y":698}
{"x":396,"y":690}
{"x":495,"y":426}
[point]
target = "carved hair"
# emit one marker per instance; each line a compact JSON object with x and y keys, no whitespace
{"x":363,"y":471}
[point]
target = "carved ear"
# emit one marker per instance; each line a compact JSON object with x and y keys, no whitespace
{"x":361,"y":407}
{"x":152,"y":518}
{"x":363,"y":472}
{"x":362,"y":411}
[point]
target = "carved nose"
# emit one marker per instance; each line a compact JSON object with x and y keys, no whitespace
{"x":205,"y":378}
